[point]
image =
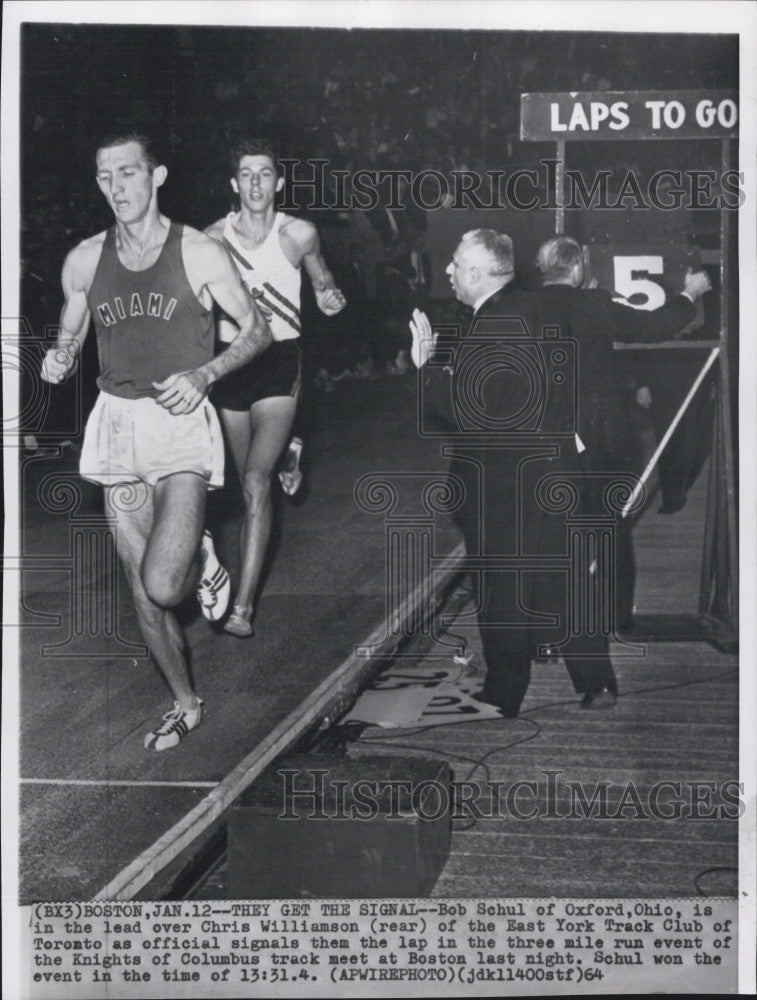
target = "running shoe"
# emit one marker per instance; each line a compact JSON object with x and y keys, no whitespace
{"x":214,"y":589}
{"x":174,"y":727}
{"x":290,"y":476}
{"x":238,"y":623}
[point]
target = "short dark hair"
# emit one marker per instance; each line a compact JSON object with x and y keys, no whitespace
{"x":499,"y":246}
{"x":254,"y":147}
{"x":145,"y":142}
{"x":557,"y":257}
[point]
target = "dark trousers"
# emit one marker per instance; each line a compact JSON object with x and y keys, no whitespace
{"x":509,"y":644}
{"x":625,"y":574}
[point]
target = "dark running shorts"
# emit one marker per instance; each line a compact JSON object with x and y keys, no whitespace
{"x":276,"y":372}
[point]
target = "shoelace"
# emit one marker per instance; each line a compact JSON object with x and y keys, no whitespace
{"x":206,"y":592}
{"x":170,"y":719}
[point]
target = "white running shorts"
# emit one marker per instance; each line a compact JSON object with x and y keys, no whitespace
{"x":128,"y":440}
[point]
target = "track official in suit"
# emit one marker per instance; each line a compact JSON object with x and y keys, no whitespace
{"x":594,"y":320}
{"x":516,"y":438}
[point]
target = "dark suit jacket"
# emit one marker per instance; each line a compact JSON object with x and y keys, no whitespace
{"x":531,"y":371}
{"x":508,"y":428}
{"x":594,"y":320}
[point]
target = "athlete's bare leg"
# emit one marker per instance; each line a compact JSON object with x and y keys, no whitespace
{"x":158,"y":541}
{"x":256,"y":439}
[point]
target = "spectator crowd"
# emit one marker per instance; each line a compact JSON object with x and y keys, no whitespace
{"x":367,"y":99}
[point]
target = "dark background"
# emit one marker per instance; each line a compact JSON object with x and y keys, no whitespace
{"x":404,"y":99}
{"x":360,"y":98}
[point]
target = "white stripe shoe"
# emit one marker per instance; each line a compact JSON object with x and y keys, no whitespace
{"x":174,"y":727}
{"x":214,"y":589}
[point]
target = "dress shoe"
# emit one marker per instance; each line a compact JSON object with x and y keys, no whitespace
{"x":506,"y":711}
{"x":598,"y":700}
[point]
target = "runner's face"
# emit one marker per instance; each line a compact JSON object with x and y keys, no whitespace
{"x":125,"y":179}
{"x":256,"y":182}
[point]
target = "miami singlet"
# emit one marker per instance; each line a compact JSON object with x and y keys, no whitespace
{"x":150,"y":324}
{"x":269,"y":277}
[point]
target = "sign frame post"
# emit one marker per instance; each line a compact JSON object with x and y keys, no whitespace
{"x":669,"y":115}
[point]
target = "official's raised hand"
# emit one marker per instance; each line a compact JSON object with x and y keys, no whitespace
{"x":424,"y":338}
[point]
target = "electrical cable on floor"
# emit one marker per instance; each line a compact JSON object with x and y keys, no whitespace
{"x":624,"y":694}
{"x":445,"y":755}
{"x":498,"y":749}
{"x":478,"y":762}
{"x":680,"y":684}
{"x":398,"y":739}
{"x":709,"y":871}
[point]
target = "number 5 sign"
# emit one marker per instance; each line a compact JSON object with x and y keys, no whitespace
{"x":632,"y":283}
{"x":643,"y":277}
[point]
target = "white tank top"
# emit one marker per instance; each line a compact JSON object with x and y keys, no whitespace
{"x":269,"y":277}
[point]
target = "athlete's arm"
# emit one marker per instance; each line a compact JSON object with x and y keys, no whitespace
{"x":60,"y":361}
{"x":254,"y":335}
{"x":225,"y":328}
{"x":184,"y":391}
{"x":329,"y":298}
